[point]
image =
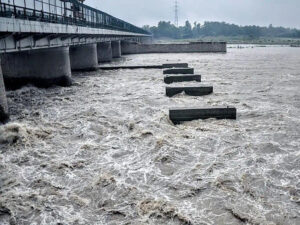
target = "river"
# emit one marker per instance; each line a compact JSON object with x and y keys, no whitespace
{"x":104,"y":151}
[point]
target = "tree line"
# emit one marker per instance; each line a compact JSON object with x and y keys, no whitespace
{"x":168,"y":30}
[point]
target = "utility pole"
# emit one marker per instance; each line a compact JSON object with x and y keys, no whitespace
{"x":176,"y":13}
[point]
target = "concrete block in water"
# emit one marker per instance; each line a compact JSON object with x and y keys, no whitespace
{"x":175,"y":65}
{"x":178,"y":115}
{"x":40,"y":67}
{"x":84,"y":57}
{"x":181,"y":78}
{"x":3,"y":101}
{"x":179,"y":71}
{"x":116,"y":49}
{"x":192,"y":91}
{"x":104,"y":51}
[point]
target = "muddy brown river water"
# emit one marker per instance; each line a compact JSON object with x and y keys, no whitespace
{"x":104,"y":151}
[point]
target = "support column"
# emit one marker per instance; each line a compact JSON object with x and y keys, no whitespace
{"x":84,"y":57}
{"x":104,"y":51}
{"x":41,"y":67}
{"x":3,"y":101}
{"x":116,"y":49}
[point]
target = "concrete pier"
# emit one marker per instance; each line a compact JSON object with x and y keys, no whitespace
{"x":187,"y":114}
{"x":104,"y":51}
{"x":192,"y":91}
{"x":192,"y":47}
{"x":181,"y":78}
{"x":42,"y":68}
{"x":3,"y":101}
{"x":116,"y":49}
{"x":179,"y":71}
{"x":84,"y":57}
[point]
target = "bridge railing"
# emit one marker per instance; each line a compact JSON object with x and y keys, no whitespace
{"x":69,"y":12}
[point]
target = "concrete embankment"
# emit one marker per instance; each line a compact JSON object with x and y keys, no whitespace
{"x":192,"y":47}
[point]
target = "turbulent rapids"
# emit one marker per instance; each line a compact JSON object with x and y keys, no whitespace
{"x":105,"y":152}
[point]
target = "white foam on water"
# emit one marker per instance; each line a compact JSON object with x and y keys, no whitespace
{"x":105,"y":152}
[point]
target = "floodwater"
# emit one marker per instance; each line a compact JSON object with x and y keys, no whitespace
{"x":104,"y":151}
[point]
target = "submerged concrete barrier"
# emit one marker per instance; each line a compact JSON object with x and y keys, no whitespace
{"x":41,"y":67}
{"x":181,"y":78}
{"x":192,"y":91}
{"x":178,"y":115}
{"x":116,"y":49}
{"x":192,"y":47}
{"x":3,"y":102}
{"x":84,"y":57}
{"x":129,"y":67}
{"x":179,"y":71}
{"x":163,"y":66}
{"x":104,"y":52}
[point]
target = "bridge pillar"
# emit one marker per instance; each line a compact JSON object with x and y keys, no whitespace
{"x":84,"y":57}
{"x":116,"y":49}
{"x":104,"y":51}
{"x":3,"y":101}
{"x":41,"y":67}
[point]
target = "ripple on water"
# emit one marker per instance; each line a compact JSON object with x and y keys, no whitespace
{"x":105,"y":152}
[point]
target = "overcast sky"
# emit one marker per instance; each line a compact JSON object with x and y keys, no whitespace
{"x":242,"y":12}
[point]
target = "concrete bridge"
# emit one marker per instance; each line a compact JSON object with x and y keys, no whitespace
{"x":35,"y":24}
{"x":42,"y":41}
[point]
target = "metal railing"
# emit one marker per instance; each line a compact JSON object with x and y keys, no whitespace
{"x":69,"y":12}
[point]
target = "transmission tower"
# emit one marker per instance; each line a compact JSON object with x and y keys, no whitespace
{"x":176,"y":13}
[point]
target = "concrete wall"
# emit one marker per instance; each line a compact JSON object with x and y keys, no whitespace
{"x":41,"y":67}
{"x":84,"y":57}
{"x":104,"y":51}
{"x":128,"y":47}
{"x":193,"y":47}
{"x":3,"y":101}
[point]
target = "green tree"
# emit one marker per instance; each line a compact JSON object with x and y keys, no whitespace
{"x":196,"y":30}
{"x":166,"y":29}
{"x":187,"y":30}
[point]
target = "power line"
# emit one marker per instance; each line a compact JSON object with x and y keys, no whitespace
{"x":176,"y":13}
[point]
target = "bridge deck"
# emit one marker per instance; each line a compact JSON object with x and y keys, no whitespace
{"x":25,"y":25}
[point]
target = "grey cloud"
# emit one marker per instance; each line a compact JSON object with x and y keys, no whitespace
{"x":242,"y":12}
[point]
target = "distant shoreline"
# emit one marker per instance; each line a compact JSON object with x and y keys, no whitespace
{"x":293,"y":42}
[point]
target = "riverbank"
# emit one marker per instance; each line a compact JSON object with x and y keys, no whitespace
{"x":237,"y":40}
